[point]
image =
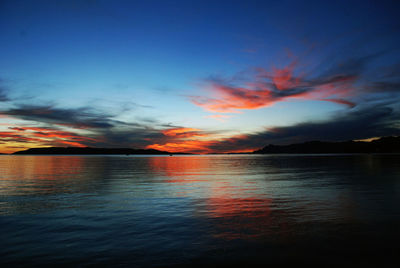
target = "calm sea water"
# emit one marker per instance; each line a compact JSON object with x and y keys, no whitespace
{"x":145,"y":211}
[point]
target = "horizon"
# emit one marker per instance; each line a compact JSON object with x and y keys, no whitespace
{"x":366,"y":141}
{"x":203,"y":77}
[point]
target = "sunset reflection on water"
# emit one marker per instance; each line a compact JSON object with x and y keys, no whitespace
{"x":162,"y":210}
{"x":39,"y":174}
{"x":231,"y":198}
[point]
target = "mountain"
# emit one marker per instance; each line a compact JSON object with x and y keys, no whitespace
{"x":382,"y":145}
{"x":89,"y":151}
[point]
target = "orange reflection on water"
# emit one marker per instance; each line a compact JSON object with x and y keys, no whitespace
{"x":38,"y":174}
{"x":230,"y":206}
{"x":246,"y":217}
{"x":243,"y":218}
{"x":235,"y":203}
{"x":181,"y":169}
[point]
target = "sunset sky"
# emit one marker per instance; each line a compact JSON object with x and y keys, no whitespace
{"x":197,"y":76}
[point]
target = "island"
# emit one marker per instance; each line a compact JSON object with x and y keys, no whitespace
{"x":380,"y":145}
{"x":90,"y":151}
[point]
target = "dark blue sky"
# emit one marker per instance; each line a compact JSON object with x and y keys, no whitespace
{"x":225,"y":75}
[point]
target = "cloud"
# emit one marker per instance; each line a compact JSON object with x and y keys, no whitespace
{"x":183,"y":132}
{"x":212,"y":144}
{"x":133,"y":137}
{"x":74,"y":117}
{"x":54,"y":125}
{"x":14,"y":137}
{"x":341,"y":101}
{"x":51,"y":133}
{"x":380,"y":119}
{"x":366,"y":121}
{"x":182,"y":139}
{"x":188,"y":146}
{"x":189,"y":140}
{"x":370,"y":121}
{"x":219,"y":117}
{"x":266,"y":88}
{"x":345,"y":78}
{"x":86,"y":126}
{"x":371,"y":94}
{"x":44,"y":136}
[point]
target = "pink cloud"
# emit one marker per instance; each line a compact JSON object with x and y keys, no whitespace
{"x":266,"y":88}
{"x":219,"y":117}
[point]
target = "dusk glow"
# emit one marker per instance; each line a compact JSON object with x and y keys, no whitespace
{"x":199,"y":133}
{"x":158,"y":75}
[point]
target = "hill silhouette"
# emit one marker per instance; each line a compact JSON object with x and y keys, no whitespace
{"x":381,"y":145}
{"x":90,"y":151}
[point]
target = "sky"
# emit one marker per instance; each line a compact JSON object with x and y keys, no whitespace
{"x":197,"y":76}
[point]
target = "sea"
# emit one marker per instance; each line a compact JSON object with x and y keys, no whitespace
{"x":200,"y":210}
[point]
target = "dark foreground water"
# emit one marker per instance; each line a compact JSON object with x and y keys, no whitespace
{"x":141,"y":211}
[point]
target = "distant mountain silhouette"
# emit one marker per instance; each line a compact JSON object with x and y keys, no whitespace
{"x":90,"y":151}
{"x":382,"y":145}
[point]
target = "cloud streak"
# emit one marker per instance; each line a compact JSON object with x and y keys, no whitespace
{"x":45,"y":136}
{"x":183,"y":132}
{"x":77,"y":118}
{"x":183,"y":140}
{"x":46,"y":126}
{"x":343,"y":79}
{"x":365,"y":122}
{"x":265,"y":88}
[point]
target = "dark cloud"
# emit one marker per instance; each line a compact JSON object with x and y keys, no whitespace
{"x":103,"y":129}
{"x":78,"y":118}
{"x":17,"y":128}
{"x":365,"y":122}
{"x":370,"y":121}
{"x":138,"y":137}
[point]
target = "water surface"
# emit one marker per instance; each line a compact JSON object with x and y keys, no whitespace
{"x":149,"y":211}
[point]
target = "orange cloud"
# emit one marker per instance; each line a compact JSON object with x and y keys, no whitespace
{"x":16,"y":137}
{"x":200,"y":143}
{"x":283,"y":78}
{"x":43,"y":136}
{"x":182,"y":132}
{"x":74,"y":144}
{"x":233,"y":99}
{"x":50,"y":133}
{"x":219,"y":117}
{"x":188,"y":146}
{"x":183,"y":140}
{"x":268,"y":88}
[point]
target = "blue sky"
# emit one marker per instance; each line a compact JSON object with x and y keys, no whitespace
{"x":230,"y":75}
